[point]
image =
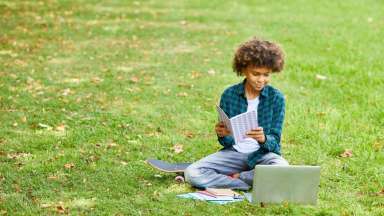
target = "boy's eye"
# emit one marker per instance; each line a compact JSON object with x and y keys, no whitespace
{"x":259,"y":74}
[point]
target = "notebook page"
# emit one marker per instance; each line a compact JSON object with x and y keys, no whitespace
{"x":224,"y":118}
{"x":243,"y":123}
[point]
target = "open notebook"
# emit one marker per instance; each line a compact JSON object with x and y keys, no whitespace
{"x":239,"y":125}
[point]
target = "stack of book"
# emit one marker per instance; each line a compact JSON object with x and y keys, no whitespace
{"x":221,"y":193}
{"x":214,"y":195}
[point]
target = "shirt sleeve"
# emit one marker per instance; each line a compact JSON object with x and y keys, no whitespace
{"x":273,"y":136}
{"x":226,"y":141}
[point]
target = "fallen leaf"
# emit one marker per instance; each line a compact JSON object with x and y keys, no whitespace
{"x":134,"y":79}
{"x":111,"y":145}
{"x":96,"y":80}
{"x":178,"y":148}
{"x":183,"y":22}
{"x":211,"y":72}
{"x":346,"y":153}
{"x":53,"y":177}
{"x":188,"y":134}
{"x":60,"y":128}
{"x":60,"y":209}
{"x":69,"y":165}
{"x":381,"y":193}
{"x":195,"y":74}
{"x":73,"y":80}
{"x":182,"y":94}
{"x":45,"y":205}
{"x":66,"y":92}
{"x":378,"y":145}
{"x":24,"y":119}
{"x":18,"y":155}
{"x":321,"y":113}
{"x":17,"y":188}
{"x":185,"y":85}
{"x":321,"y":77}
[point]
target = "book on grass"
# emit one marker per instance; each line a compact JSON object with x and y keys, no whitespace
{"x":239,"y":125}
{"x":222,"y":192}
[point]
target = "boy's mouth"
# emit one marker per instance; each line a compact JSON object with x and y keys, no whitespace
{"x":258,"y":86}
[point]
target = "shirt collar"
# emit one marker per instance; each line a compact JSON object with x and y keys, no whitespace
{"x":241,"y":90}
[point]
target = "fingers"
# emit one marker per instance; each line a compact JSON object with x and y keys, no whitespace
{"x":259,"y":129}
{"x":220,"y":124}
{"x":221,"y":130}
{"x":255,"y":133}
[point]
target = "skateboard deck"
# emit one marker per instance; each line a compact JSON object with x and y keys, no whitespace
{"x":168,"y":167}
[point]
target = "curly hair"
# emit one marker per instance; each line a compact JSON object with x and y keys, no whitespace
{"x":258,"y":53}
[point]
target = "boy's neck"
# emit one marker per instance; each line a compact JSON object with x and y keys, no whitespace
{"x":250,"y":92}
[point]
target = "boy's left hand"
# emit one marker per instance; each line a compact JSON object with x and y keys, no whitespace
{"x":257,"y":134}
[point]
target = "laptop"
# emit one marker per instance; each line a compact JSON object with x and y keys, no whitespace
{"x":292,"y":184}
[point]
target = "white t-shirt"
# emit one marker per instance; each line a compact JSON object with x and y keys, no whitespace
{"x":249,"y":145}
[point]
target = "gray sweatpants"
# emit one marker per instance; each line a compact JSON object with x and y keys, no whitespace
{"x":213,"y":170}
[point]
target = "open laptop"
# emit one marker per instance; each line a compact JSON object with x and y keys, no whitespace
{"x":294,"y":184}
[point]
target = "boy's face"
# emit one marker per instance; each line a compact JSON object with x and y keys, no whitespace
{"x":257,"y":77}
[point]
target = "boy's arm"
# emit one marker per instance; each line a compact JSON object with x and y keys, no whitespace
{"x":272,"y":138}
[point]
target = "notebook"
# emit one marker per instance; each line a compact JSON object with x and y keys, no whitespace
{"x":239,"y":125}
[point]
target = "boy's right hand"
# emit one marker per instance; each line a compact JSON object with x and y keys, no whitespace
{"x":221,"y":130}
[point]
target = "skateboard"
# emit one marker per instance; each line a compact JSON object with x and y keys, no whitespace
{"x":164,"y":166}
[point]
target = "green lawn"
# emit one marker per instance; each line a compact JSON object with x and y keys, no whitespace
{"x":90,"y":89}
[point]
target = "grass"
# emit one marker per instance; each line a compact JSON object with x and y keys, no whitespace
{"x":90,"y":89}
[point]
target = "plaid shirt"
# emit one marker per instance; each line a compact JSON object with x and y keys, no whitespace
{"x":270,"y":114}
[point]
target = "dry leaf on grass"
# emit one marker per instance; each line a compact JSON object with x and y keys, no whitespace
{"x":183,"y":22}
{"x":60,"y":128}
{"x":18,"y":155}
{"x":381,"y":193}
{"x":182,"y":94}
{"x":188,"y":134}
{"x":60,"y":209}
{"x":178,"y":148}
{"x":69,"y":165}
{"x":23,"y":119}
{"x":66,"y":92}
{"x":195,"y":74}
{"x":134,"y":79}
{"x":346,"y":153}
{"x":53,"y":177}
{"x":96,"y":80}
{"x":111,"y":145}
{"x":211,"y":72}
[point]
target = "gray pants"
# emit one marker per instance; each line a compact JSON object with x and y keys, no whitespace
{"x":213,"y":170}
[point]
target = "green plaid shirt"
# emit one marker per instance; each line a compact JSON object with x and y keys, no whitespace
{"x":270,"y":114}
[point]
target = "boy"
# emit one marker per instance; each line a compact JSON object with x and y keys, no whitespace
{"x":232,"y":167}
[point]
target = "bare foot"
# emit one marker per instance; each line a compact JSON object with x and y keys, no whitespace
{"x":236,"y":175}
